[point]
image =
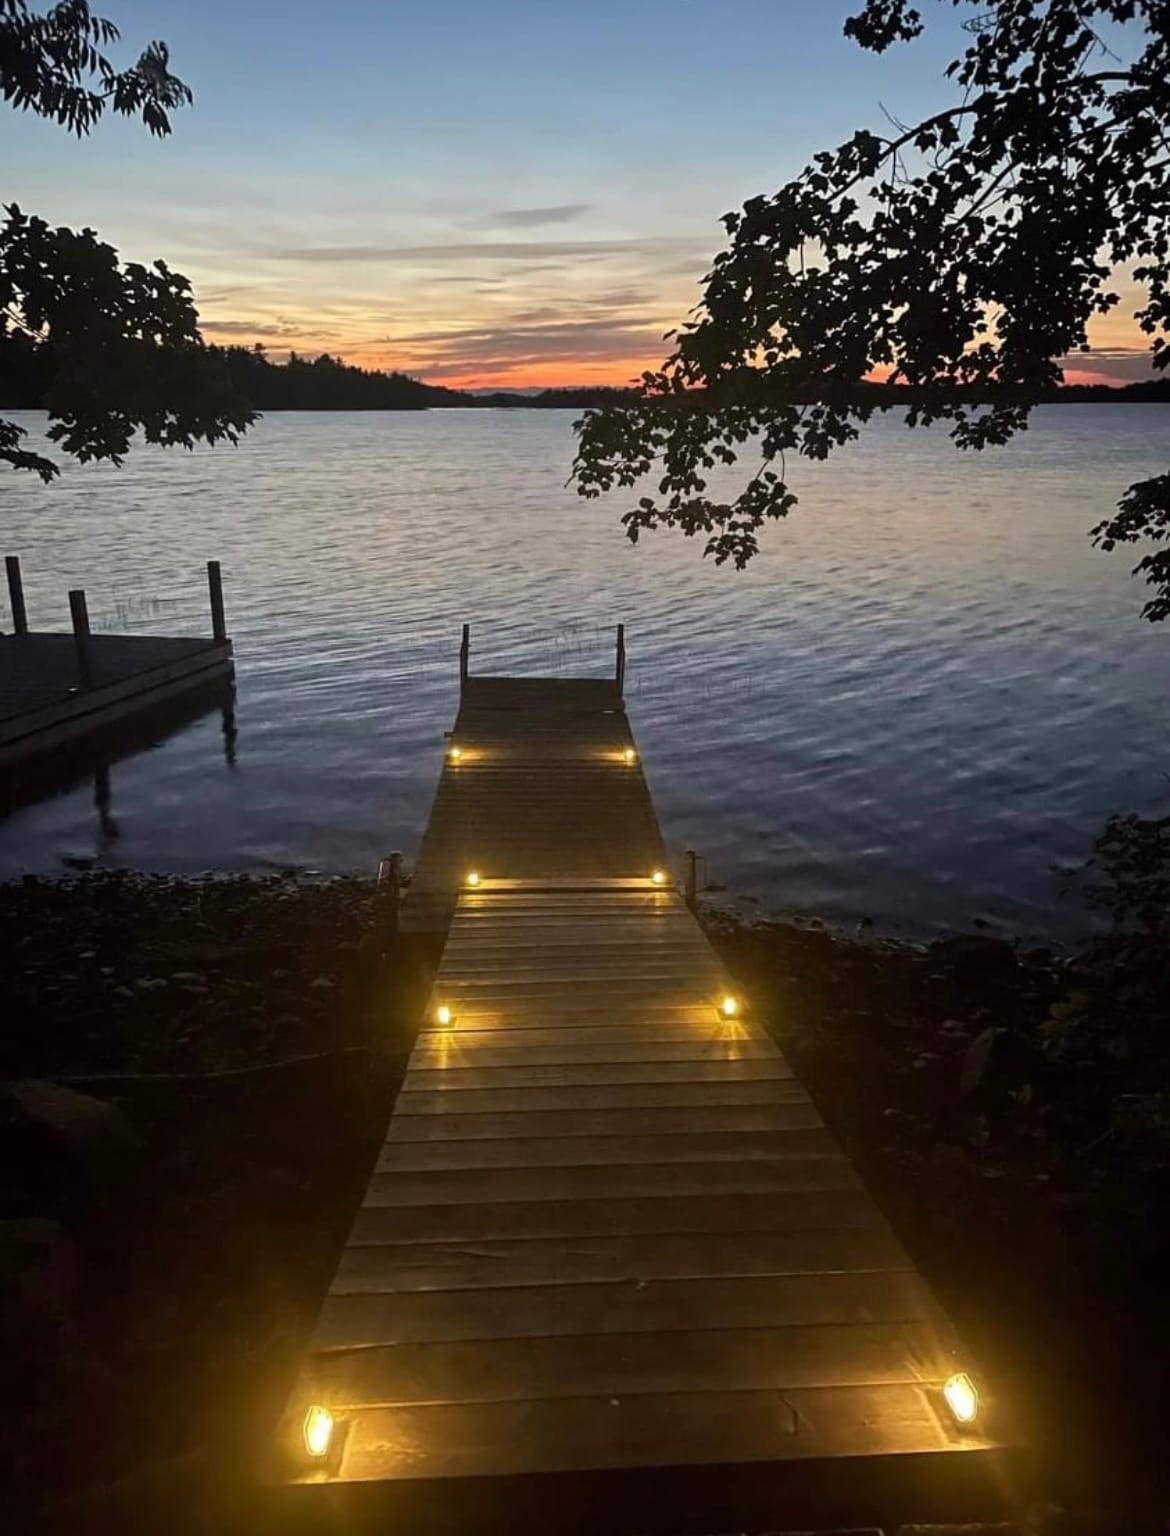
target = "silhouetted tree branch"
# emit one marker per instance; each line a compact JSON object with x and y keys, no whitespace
{"x":117,"y":347}
{"x":963,"y":257}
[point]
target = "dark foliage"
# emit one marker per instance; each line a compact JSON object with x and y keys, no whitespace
{"x":1129,"y":878}
{"x":963,"y":256}
{"x":52,"y":65}
{"x":324,"y":384}
{"x":111,"y":349}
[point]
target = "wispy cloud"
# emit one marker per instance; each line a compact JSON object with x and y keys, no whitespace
{"x":523,"y":346}
{"x":533,"y":218}
{"x":489,"y":250}
{"x":280,"y":328}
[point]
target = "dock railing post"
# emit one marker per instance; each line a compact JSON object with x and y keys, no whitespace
{"x":620,"y":665}
{"x":691,"y":879}
{"x":16,"y":595}
{"x":80,"y":616}
{"x":464,"y":655}
{"x":215,"y":588}
{"x":390,"y":875}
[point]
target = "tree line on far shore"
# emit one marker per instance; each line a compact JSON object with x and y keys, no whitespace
{"x":29,"y":370}
{"x":326,"y":383}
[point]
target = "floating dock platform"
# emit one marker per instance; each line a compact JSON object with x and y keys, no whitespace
{"x":60,"y":694}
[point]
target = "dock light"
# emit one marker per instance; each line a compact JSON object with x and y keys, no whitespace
{"x":443,"y":1015}
{"x":657,"y":877}
{"x":473,"y":877}
{"x":454,"y":754}
{"x":630,"y":755}
{"x":318,"y":1430}
{"x":962,"y":1398}
{"x":729,"y":1006}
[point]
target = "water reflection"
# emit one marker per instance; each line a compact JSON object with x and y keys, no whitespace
{"x":229,"y":732}
{"x":108,"y":827}
{"x":59,"y":773}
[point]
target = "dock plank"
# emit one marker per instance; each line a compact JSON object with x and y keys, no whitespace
{"x":624,"y":1306}
{"x":615,"y":1216}
{"x":458,"y":1265}
{"x":694,"y":1120}
{"x":667,"y":1430}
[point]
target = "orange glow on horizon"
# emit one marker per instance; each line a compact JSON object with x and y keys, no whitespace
{"x":561,"y":375}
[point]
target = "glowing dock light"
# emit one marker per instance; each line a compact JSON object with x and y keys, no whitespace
{"x":629,"y":755}
{"x":442,"y":1015}
{"x":454,"y":754}
{"x":962,"y":1398}
{"x":318,"y":1430}
{"x":657,"y":877}
{"x":473,"y":878}
{"x":729,"y":1006}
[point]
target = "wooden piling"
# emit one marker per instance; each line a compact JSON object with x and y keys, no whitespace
{"x":390,"y":875}
{"x":80,"y":616}
{"x":16,"y":595}
{"x":464,"y":656}
{"x":215,"y":588}
{"x":620,"y":662}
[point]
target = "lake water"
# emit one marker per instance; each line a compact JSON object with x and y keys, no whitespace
{"x":925,"y":691}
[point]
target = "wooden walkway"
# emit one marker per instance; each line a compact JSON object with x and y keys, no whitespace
{"x":541,"y":789}
{"x":607,"y":1231}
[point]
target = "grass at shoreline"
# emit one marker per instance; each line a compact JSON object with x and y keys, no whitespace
{"x":252,"y":1034}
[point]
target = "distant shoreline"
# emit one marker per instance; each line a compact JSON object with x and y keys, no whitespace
{"x":327,"y":383}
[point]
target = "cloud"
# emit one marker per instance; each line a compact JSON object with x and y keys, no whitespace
{"x":491,"y":250}
{"x":559,"y":346}
{"x":532,"y":218}
{"x":1109,"y":365}
{"x":282,"y":328}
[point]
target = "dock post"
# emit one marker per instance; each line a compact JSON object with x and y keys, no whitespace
{"x":464,"y":656}
{"x":215,"y":587}
{"x":620,"y":665}
{"x":80,"y":616}
{"x":390,"y":875}
{"x":16,"y":595}
{"x":691,"y":880}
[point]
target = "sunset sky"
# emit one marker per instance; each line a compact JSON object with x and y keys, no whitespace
{"x":479,"y":192}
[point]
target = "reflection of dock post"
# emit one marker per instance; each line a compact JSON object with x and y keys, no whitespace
{"x":227,"y":717}
{"x":691,"y":884}
{"x":16,"y":595}
{"x":464,"y":656}
{"x":80,"y":616}
{"x":101,"y":800}
{"x":215,"y":588}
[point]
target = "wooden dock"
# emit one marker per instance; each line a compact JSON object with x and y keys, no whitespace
{"x":60,"y":692}
{"x":610,"y":1271}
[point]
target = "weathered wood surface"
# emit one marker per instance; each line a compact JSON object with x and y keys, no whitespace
{"x":541,"y":790}
{"x":607,"y":1228}
{"x":43,"y":705}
